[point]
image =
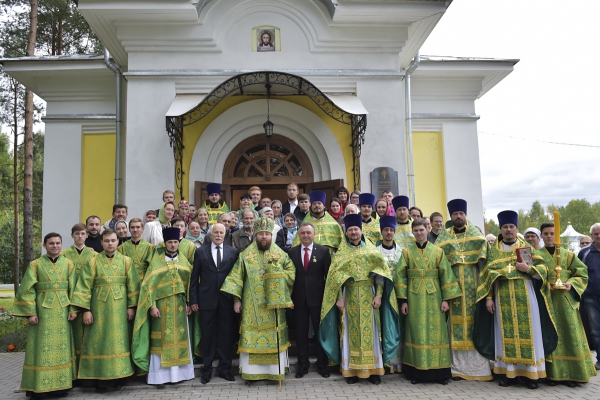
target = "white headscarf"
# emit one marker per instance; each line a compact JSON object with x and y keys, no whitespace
{"x":537,"y":232}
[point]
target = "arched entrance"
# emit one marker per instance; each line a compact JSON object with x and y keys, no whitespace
{"x":269,"y":163}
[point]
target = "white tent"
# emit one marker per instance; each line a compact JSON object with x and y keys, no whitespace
{"x":572,"y":238}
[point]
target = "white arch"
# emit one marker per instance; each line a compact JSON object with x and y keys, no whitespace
{"x":246,"y":119}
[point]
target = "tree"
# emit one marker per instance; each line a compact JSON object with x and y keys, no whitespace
{"x":52,"y":27}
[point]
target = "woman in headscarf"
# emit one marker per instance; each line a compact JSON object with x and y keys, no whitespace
{"x":533,"y":236}
{"x":335,"y":210}
{"x":194,"y":233}
{"x":382,"y":207}
{"x":285,"y":237}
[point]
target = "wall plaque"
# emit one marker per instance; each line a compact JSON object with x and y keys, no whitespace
{"x":382,"y":179}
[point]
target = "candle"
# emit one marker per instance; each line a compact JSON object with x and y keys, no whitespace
{"x":556,"y":228}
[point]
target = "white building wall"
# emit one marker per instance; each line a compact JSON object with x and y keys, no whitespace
{"x":385,"y":143}
{"x":149,"y":163}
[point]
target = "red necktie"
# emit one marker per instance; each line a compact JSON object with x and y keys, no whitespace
{"x":305,"y":259}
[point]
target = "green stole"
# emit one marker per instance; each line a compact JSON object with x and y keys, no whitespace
{"x":186,"y":249}
{"x":166,"y":286}
{"x":513,"y":306}
{"x":248,"y":281}
{"x":466,"y":252}
{"x":140,"y":255}
{"x":49,"y":353}
{"x":572,"y":359}
{"x":215,"y":212}
{"x":355,"y":267}
{"x":327,"y":231}
{"x":403,"y":235}
{"x":371,"y":230}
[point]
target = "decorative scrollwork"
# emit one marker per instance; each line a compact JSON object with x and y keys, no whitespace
{"x":175,"y":132}
{"x":359,"y":128}
{"x":237,"y":84}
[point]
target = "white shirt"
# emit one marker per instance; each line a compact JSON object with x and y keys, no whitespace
{"x":293,"y":205}
{"x":213,"y":248}
{"x":310,"y":249}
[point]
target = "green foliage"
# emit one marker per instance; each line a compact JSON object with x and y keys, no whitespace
{"x":580,"y":213}
{"x":13,"y":330}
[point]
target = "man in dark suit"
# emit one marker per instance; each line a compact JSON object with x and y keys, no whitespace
{"x":290,"y":205}
{"x":211,"y":266}
{"x":312,"y":265}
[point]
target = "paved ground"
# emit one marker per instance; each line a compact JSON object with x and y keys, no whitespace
{"x":312,"y":386}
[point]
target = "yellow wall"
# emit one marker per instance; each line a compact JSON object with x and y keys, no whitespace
{"x":97,"y":175}
{"x":192,"y":133}
{"x":430,"y":179}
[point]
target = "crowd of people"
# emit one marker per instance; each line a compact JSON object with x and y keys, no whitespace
{"x":382,"y":288}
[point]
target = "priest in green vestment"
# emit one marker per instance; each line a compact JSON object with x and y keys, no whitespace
{"x":43,"y":298}
{"x":403,"y":236}
{"x":465,"y":247}
{"x":327,"y":230}
{"x":107,"y":290}
{"x":513,"y":325}
{"x":79,"y":254}
{"x":161,"y":342}
{"x":261,"y":282}
{"x":391,"y":251}
{"x":138,"y":249}
{"x":424,"y":285}
{"x":214,"y":205}
{"x":365,"y":333}
{"x":370,"y":224}
{"x":571,"y":362}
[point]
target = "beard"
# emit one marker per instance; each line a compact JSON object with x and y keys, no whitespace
{"x":263,"y":247}
{"x":459,"y":223}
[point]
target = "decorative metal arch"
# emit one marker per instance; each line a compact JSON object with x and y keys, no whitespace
{"x":236,"y":85}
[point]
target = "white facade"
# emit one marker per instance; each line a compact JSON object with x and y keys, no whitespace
{"x":171,"y":48}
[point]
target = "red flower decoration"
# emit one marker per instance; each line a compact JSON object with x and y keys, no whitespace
{"x":12,"y":347}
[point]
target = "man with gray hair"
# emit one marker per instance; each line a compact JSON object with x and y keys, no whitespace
{"x":242,"y":238}
{"x":224,"y":219}
{"x":590,"y":256}
{"x":212,"y":264}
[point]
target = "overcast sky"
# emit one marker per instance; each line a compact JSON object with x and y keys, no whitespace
{"x":551,"y":96}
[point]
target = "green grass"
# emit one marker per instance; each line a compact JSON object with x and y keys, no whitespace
{"x":12,"y":330}
{"x":7,"y":302}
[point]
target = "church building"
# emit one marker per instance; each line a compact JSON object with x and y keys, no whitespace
{"x":324,"y":93}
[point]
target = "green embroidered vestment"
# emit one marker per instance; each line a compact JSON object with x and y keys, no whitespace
{"x":466,"y":252}
{"x":107,"y":287}
{"x":79,"y":260}
{"x":248,"y":281}
{"x":572,"y":360}
{"x":424,"y":278}
{"x":354,"y":269}
{"x":49,"y":354}
{"x":166,"y":287}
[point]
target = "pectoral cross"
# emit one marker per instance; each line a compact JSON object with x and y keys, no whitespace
{"x":174,"y":285}
{"x":462,"y":258}
{"x":319,"y":236}
{"x":509,"y":268}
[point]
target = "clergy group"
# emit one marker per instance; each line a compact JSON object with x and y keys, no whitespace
{"x":381,"y":289}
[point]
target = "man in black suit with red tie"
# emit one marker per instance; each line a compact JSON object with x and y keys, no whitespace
{"x":211,"y":266}
{"x":312,"y":265}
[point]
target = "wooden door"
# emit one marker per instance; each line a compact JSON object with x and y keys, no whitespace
{"x":329,"y":187}
{"x":200,"y":195}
